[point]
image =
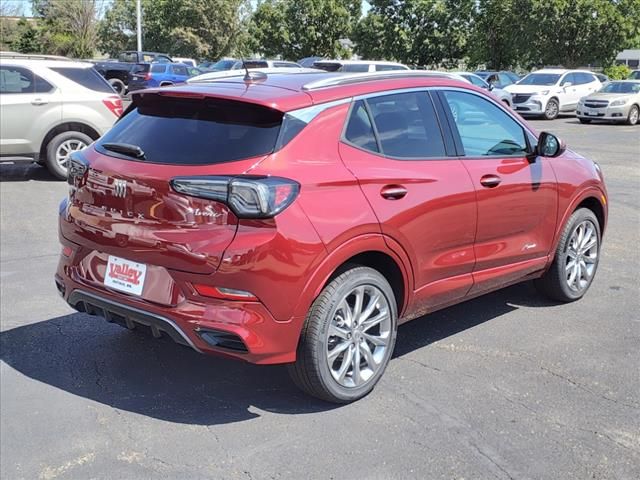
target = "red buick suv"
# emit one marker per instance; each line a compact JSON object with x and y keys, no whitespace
{"x":300,"y":217}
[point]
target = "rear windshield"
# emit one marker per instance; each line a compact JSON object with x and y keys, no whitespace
{"x":87,"y":77}
{"x":195,"y":131}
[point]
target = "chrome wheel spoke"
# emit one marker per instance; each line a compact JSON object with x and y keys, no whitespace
{"x":335,"y":331}
{"x":368,"y":355}
{"x":357,"y":305}
{"x":371,"y":306}
{"x":590,"y":259}
{"x":356,"y":376}
{"x":377,"y":341}
{"x":337,"y":350}
{"x":346,"y":363}
{"x":372,"y":322}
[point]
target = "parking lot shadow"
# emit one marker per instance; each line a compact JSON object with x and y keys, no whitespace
{"x":91,"y":358}
{"x":23,"y":171}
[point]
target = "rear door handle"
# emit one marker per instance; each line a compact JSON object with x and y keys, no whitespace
{"x":490,"y":181}
{"x":393,"y":192}
{"x":38,"y":101}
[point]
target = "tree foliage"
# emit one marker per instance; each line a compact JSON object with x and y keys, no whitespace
{"x":295,"y":29}
{"x":197,"y":28}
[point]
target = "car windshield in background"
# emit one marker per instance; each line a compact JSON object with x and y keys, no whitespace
{"x":540,"y":79}
{"x":223,"y":65}
{"x":195,"y":132}
{"x":87,"y":77}
{"x":621,"y":87}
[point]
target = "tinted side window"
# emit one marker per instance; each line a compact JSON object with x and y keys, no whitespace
{"x":41,"y":85}
{"x":484,"y":128}
{"x":569,"y":77}
{"x":407,"y":125}
{"x":87,"y":77}
{"x":180,"y":70}
{"x":504,"y":79}
{"x":359,"y":129}
{"x":586,"y":78}
{"x":355,"y":67}
{"x":478,"y":82}
{"x":158,"y":68}
{"x":386,"y":68}
{"x":16,"y":80}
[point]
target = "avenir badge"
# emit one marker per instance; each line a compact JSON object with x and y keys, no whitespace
{"x":125,"y":275}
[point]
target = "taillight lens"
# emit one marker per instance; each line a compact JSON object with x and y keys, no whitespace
{"x":247,"y":196}
{"x":114,"y":103}
{"x":147,"y":76}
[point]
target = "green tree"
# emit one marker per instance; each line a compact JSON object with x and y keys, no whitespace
{"x":198,"y":28}
{"x":417,"y":32}
{"x":295,"y":29}
{"x":498,"y":33}
{"x":26,"y":38}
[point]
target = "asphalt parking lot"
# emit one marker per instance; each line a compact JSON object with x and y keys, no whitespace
{"x":507,"y":386}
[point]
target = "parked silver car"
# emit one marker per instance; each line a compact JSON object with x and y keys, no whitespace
{"x":51,"y":107}
{"x":617,"y":101}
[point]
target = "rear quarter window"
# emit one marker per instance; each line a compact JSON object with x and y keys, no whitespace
{"x":195,"y":131}
{"x":87,"y":77}
{"x":158,"y":68}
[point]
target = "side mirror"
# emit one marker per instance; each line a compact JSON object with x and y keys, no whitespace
{"x":491,"y":86}
{"x":549,"y":145}
{"x":567,"y":84}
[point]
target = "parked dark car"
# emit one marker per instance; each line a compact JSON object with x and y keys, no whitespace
{"x":117,"y":72}
{"x":147,"y":75}
{"x":498,"y":79}
{"x":300,"y":218}
{"x":224,"y":64}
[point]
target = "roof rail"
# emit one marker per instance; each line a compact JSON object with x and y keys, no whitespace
{"x":239,"y":73}
{"x":33,"y":56}
{"x":349,"y":78}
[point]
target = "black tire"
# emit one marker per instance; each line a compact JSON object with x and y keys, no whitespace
{"x":506,"y":102}
{"x":166,"y":84}
{"x":553,"y":283}
{"x":118,"y":85}
{"x":584,"y":120}
{"x":311,"y":371}
{"x":57,"y":170}
{"x":634,"y":113}
{"x":552,"y":110}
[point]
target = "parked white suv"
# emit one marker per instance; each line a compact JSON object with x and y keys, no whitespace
{"x":50,"y":107}
{"x":354,"y":66}
{"x":549,"y":92}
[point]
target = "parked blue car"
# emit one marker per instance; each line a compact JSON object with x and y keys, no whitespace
{"x":147,"y":75}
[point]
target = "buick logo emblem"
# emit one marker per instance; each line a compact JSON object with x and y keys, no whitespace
{"x":119,"y":188}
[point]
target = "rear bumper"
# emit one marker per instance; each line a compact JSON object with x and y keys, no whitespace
{"x":236,"y":329}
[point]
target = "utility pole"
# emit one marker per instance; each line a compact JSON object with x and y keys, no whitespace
{"x":139,"y":24}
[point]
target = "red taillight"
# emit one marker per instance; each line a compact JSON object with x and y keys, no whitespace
{"x":147,"y":76}
{"x":224,"y":293}
{"x":248,"y":196}
{"x":114,"y":103}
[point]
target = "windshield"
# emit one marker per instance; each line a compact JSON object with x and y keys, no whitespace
{"x":483,"y":75}
{"x":621,"y":87}
{"x":540,"y":79}
{"x":223,"y":65}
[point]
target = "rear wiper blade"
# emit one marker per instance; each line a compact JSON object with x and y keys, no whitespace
{"x":126,"y":149}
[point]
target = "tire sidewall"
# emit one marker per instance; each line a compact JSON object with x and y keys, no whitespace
{"x":561,"y":254}
{"x":118,"y":85}
{"x":52,"y":165}
{"x":364,"y":276}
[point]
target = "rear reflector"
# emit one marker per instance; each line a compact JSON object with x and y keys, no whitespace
{"x":114,"y":104}
{"x":67,"y":251}
{"x":224,"y":293}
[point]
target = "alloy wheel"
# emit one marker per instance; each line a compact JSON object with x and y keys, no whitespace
{"x":582,"y":255}
{"x":358,"y":336}
{"x":66,"y":148}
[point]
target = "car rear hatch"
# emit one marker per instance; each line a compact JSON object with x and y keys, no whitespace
{"x":121,"y":201}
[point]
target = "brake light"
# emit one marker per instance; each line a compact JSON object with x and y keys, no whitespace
{"x":147,"y":76}
{"x":114,"y":104}
{"x":248,"y":196}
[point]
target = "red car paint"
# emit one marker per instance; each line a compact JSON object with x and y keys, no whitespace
{"x":448,"y":238}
